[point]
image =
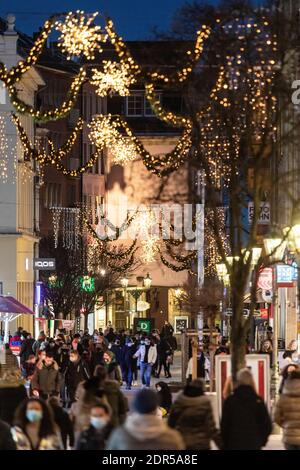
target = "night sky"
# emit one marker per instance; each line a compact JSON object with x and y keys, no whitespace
{"x":133,"y":18}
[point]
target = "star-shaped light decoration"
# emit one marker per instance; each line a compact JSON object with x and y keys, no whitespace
{"x":79,"y":35}
{"x":114,"y":78}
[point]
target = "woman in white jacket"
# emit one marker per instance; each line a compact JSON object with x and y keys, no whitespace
{"x":146,"y":355}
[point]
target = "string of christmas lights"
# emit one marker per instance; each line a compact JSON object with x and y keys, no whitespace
{"x":179,"y":76}
{"x":52,"y":114}
{"x":14,"y":75}
{"x":53,"y":158}
{"x":104,"y":129}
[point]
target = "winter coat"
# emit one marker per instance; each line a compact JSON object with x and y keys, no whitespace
{"x":145,"y":432}
{"x":6,"y":439}
{"x":11,"y":362}
{"x":64,"y":423}
{"x":46,"y":379}
{"x":110,"y":390}
{"x":76,"y":372}
{"x":51,"y":442}
{"x":287,"y":412}
{"x":26,"y":349}
{"x":117,"y":350}
{"x":91,"y":439}
{"x":128,"y":361}
{"x":246,"y":423}
{"x":164,"y":348}
{"x":152,"y":354}
{"x":167,"y":330}
{"x":11,"y":395}
{"x":193,"y":418}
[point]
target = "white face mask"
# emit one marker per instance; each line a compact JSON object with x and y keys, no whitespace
{"x":158,"y":389}
{"x":98,"y":423}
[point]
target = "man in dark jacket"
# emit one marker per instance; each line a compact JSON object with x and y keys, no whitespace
{"x":46,"y":381}
{"x":6,"y":439}
{"x":246,"y":423}
{"x":128,"y":362}
{"x":76,"y":372}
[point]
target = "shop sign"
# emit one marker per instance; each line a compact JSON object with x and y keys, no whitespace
{"x":265,"y":279}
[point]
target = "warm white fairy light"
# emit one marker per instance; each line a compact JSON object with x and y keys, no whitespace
{"x":150,"y":248}
{"x":79,"y":35}
{"x":3,"y":152}
{"x":114,"y":78}
{"x":104,"y":133}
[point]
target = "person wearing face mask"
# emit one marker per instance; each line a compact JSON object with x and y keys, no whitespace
{"x":147,"y":355}
{"x":96,"y":435}
{"x":76,"y":371}
{"x":34,"y":427}
{"x":128,"y":362}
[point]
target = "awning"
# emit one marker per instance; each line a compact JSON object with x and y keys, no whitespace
{"x":10,"y":309}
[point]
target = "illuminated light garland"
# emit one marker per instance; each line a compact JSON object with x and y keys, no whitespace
{"x":51,"y":159}
{"x":66,"y":148}
{"x":166,"y":116}
{"x":180,"y":75}
{"x":114,"y":78}
{"x":4,"y":150}
{"x":123,"y":267}
{"x":185,"y":266}
{"x":52,"y":114}
{"x":104,"y":128}
{"x":181,"y":259}
{"x":12,"y":76}
{"x":103,"y":243}
{"x":104,"y":132}
{"x":79,"y":36}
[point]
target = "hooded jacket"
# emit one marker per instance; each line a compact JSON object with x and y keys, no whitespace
{"x":46,"y":379}
{"x":193,"y":418}
{"x":287,"y":412}
{"x":145,"y":432}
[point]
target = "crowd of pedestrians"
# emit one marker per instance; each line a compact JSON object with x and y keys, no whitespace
{"x":66,"y":393}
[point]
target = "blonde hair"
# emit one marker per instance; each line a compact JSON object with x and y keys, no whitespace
{"x":245,"y":377}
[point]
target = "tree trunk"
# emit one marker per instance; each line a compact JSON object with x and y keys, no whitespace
{"x":237,"y":342}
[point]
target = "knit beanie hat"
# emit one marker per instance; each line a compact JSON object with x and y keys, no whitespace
{"x":145,"y":401}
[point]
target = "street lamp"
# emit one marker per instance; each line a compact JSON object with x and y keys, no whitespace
{"x":147,"y":281}
{"x":124,"y":282}
{"x":275,"y":248}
